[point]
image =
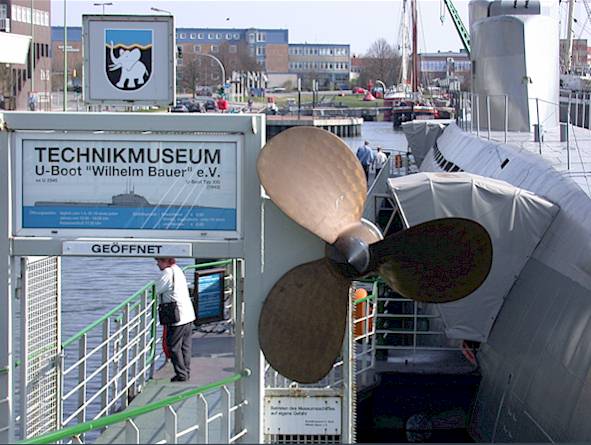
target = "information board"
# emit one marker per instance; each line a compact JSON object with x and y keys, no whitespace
{"x":130,"y":185}
{"x":302,"y":415}
{"x":208,"y":295}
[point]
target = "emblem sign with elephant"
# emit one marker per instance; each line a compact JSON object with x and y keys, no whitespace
{"x":128,"y":57}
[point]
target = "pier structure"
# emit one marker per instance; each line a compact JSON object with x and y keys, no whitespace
{"x":341,"y":126}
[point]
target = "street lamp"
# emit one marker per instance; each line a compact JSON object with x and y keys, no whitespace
{"x":161,"y":10}
{"x":103,"y":4}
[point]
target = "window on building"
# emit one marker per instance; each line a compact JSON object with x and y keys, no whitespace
{"x":196,"y":48}
{"x":218,"y":35}
{"x":251,"y":37}
{"x":215,"y":48}
{"x":193,"y":36}
{"x":210,"y":36}
{"x":233,"y":49}
{"x":3,"y":11}
{"x":260,"y":51}
{"x":236,"y":36}
{"x":28,"y":15}
{"x":261,"y":36}
{"x":200,"y":36}
{"x":179,"y":62}
{"x":228,"y":36}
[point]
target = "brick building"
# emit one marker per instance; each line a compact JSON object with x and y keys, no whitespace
{"x":19,"y":81}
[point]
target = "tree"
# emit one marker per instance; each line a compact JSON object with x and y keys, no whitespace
{"x":381,"y":62}
{"x":189,"y":73}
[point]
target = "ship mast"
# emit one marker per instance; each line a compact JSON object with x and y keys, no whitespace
{"x":404,"y":68}
{"x":415,"y":56}
{"x":569,"y":49}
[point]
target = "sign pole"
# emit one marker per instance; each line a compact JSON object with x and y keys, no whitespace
{"x":6,"y":358}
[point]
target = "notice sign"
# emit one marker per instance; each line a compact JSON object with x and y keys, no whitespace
{"x":121,"y":248}
{"x":302,"y":415}
{"x":130,"y":185}
{"x":209,"y":295}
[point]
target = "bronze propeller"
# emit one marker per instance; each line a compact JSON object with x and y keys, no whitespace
{"x":315,"y":179}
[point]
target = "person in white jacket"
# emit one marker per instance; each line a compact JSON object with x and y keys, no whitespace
{"x":172,"y":286}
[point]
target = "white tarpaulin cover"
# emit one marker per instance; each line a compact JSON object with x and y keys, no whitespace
{"x":14,"y":48}
{"x":515,"y":219}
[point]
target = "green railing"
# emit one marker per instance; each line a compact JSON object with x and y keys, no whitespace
{"x":122,"y":355}
{"x":129,"y":414}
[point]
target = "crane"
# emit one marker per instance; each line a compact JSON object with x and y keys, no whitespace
{"x":460,"y":28}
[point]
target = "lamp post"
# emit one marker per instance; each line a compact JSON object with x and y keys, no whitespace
{"x":65,"y":59}
{"x":103,"y":4}
{"x":32,"y":52}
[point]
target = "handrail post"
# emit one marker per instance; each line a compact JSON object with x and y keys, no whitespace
{"x":234,"y":290}
{"x":105,"y":371}
{"x":506,"y":116}
{"x":471,"y":112}
{"x":132,"y":352}
{"x":170,"y":425}
{"x":583,"y":110}
{"x":202,"y":431}
{"x":154,"y":330}
{"x":347,"y":435}
{"x":132,"y":432}
{"x":415,"y":328}
{"x":577,"y":109}
{"x":539,"y":128}
{"x":488,"y":115}
{"x":226,"y":420}
{"x":125,"y":356}
{"x":477,"y":115}
{"x":62,"y":367}
{"x":82,"y":345}
{"x":142,"y":340}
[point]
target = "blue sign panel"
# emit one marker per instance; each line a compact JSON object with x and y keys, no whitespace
{"x":209,"y":295}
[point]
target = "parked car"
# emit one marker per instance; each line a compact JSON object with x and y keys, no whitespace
{"x":210,"y":105}
{"x":179,"y":108}
{"x":195,"y":107}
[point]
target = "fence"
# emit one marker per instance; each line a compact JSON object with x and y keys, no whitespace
{"x":106,"y":364}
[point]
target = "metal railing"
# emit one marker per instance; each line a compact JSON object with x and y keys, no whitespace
{"x":107,"y":363}
{"x":363,"y":325}
{"x":225,"y":416}
{"x":104,"y":365}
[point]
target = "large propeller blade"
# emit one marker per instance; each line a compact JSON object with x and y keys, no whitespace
{"x":313,"y":176}
{"x":302,"y":322}
{"x":435,"y":262}
{"x":316,"y":180}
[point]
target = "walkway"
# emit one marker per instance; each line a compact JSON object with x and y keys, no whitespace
{"x":213,"y":359}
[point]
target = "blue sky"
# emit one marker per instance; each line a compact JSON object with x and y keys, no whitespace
{"x":358,"y":23}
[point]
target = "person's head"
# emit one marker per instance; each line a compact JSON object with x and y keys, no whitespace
{"x":379,"y":148}
{"x":164,"y":262}
{"x":366,"y":143}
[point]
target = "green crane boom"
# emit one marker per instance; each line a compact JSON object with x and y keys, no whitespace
{"x":460,"y":28}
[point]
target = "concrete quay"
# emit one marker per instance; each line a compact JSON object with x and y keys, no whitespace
{"x":342,"y":126}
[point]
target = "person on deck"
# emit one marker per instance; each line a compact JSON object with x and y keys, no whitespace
{"x":380,"y":161}
{"x":172,"y":287}
{"x":366,"y":157}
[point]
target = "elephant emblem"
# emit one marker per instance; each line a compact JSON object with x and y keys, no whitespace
{"x":128,"y":60}
{"x":132,"y":69}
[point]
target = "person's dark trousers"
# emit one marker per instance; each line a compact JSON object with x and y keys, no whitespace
{"x":178,"y":339}
{"x":366,"y":171}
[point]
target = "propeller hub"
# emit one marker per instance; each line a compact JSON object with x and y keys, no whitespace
{"x":350,"y":254}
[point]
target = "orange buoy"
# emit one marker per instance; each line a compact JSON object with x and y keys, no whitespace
{"x":360,"y":293}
